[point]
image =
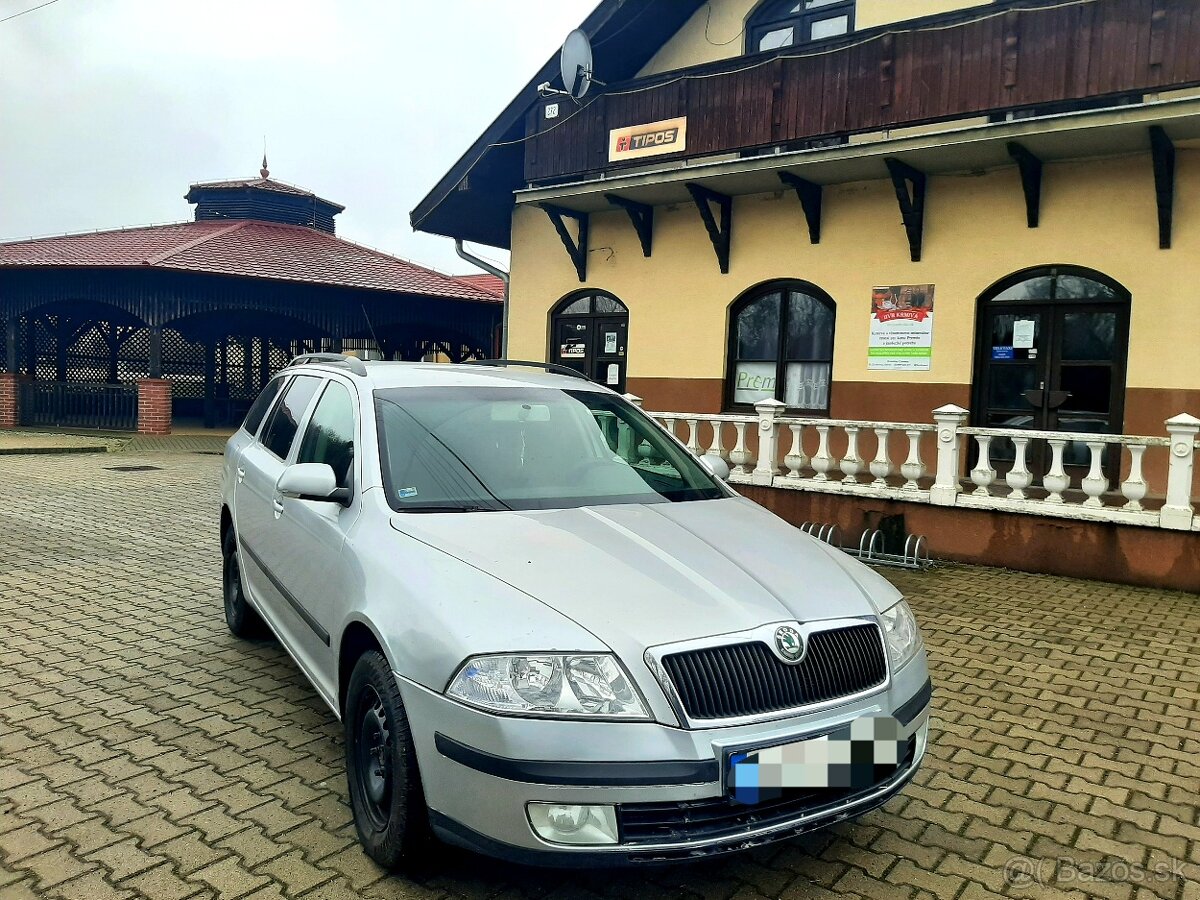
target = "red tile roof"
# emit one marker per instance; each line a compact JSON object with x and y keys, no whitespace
{"x":247,"y":248}
{"x":490,"y":283}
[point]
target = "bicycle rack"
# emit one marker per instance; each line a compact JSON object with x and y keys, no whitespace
{"x":870,"y":546}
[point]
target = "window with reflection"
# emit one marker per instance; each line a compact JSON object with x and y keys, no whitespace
{"x":787,"y":23}
{"x":781,"y":347}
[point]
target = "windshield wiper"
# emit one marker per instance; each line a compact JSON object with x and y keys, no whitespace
{"x":450,"y":507}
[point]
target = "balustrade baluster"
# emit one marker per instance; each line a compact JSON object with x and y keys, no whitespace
{"x":741,"y":455}
{"x":983,"y":474}
{"x":1134,"y":488}
{"x":851,"y":464}
{"x":795,"y":459}
{"x":823,"y":461}
{"x":881,"y":465}
{"x":1019,"y":478}
{"x":1094,"y":484}
{"x":693,"y":441}
{"x":717,"y":447}
{"x":1056,"y":480}
{"x":913,"y":468}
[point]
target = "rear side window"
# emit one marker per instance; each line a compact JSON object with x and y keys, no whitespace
{"x":281,"y":428}
{"x":329,"y":437}
{"x":261,"y":404}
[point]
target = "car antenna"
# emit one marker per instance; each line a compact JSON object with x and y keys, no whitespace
{"x":371,"y":328}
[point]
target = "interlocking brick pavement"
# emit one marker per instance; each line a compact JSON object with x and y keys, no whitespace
{"x":144,"y":752}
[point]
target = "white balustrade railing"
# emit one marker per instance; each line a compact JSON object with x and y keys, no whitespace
{"x":885,"y":459}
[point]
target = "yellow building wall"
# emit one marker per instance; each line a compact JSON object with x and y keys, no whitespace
{"x":717,"y":30}
{"x":1098,"y":214}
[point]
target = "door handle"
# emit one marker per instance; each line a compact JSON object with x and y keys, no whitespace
{"x":1058,"y":398}
{"x":277,"y":505}
{"x":241,"y":473}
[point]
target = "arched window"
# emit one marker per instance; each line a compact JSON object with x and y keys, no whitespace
{"x":781,"y":347}
{"x":786,"y":23}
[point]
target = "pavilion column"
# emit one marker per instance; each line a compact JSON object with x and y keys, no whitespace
{"x":62,"y":328}
{"x":10,"y":345}
{"x":154,"y":406}
{"x":114,"y":353}
{"x":264,"y":361}
{"x":31,"y":348}
{"x":248,"y":365}
{"x":210,"y":384}
{"x":155,"y":362}
{"x":10,"y":399}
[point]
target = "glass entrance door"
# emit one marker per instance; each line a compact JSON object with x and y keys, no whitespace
{"x":1050,"y":356}
{"x":589,"y":333}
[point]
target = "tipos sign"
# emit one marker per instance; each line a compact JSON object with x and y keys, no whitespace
{"x":653,"y":139}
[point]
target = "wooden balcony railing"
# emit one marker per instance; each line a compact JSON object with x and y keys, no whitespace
{"x":1011,"y":55}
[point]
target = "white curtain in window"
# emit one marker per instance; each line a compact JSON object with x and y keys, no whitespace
{"x":807,"y":385}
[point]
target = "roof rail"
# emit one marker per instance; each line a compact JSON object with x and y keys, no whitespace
{"x":351,"y":362}
{"x":553,"y":368}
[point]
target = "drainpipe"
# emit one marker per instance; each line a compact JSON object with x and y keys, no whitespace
{"x":499,"y":273}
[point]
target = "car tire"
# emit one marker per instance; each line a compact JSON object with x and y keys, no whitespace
{"x":381,"y":766}
{"x":240,"y":616}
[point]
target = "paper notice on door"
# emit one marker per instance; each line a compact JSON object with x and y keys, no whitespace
{"x":610,"y":342}
{"x":614,"y":373}
{"x":1023,"y":334}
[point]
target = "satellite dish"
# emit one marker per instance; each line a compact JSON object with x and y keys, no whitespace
{"x":576,"y":63}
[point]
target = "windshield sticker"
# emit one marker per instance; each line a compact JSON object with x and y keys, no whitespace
{"x":405,"y":493}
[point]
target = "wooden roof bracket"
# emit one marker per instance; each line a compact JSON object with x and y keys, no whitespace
{"x":719,"y":235}
{"x":810,"y":200}
{"x":642,"y":217}
{"x":1162,"y":150}
{"x":910,"y":193}
{"x":577,"y":248}
{"x":1031,"y":181}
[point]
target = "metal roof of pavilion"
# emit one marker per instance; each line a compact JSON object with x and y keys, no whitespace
{"x":245,"y":248}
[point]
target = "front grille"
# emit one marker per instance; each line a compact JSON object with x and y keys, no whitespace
{"x":748,"y":679}
{"x":665,"y":823}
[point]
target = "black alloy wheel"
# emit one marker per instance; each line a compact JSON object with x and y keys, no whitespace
{"x":381,"y":767}
{"x":240,"y":616}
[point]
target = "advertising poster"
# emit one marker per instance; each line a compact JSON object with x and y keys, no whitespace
{"x":901,"y":328}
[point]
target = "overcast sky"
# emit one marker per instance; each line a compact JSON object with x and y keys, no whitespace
{"x":109,"y":109}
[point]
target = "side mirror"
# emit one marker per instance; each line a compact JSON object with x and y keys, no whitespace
{"x":716,"y":466}
{"x":312,"y":481}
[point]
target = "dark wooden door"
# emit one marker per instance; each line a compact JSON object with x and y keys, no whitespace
{"x":1052,"y":367}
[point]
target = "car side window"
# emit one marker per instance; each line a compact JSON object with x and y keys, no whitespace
{"x":329,"y":437}
{"x":261,"y":404}
{"x":281,"y":427}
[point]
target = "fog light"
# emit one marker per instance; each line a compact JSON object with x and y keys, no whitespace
{"x":568,"y":823}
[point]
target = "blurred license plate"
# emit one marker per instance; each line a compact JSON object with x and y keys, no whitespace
{"x":858,"y":755}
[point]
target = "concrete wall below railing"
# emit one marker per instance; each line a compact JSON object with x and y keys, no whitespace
{"x":1103,"y":551}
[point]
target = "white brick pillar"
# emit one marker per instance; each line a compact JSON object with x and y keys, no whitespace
{"x":1176,"y":512}
{"x":949,"y":419}
{"x":768,"y":441}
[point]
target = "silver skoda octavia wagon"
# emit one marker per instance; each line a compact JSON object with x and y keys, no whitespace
{"x":552,"y":634}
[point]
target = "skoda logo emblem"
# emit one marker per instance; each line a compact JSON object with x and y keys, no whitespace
{"x":789,"y":643}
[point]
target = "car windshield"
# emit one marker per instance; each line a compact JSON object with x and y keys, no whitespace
{"x":466,"y":449}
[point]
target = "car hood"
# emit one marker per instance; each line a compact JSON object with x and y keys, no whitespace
{"x":639,"y":575}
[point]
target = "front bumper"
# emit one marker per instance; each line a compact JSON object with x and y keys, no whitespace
{"x":477,"y":797}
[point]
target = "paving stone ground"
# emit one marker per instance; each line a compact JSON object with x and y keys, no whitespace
{"x":144,"y":752}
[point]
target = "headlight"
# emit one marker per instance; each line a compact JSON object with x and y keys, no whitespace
{"x":548,"y":684}
{"x":901,"y":634}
